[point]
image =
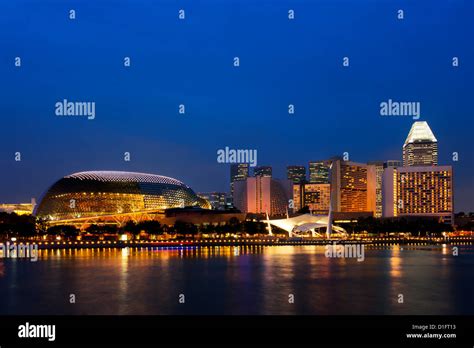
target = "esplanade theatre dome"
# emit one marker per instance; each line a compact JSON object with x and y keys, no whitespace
{"x":107,"y":193}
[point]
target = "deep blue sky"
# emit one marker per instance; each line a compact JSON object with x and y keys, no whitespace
{"x":190,"y":62}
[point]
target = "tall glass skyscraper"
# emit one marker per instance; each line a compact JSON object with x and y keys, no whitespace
{"x":238,"y":172}
{"x":420,"y":147}
{"x":263,"y":171}
{"x":297,"y":174}
{"x":374,"y":187}
{"x":319,"y":172}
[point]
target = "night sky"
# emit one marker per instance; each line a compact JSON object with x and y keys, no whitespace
{"x":190,"y":62}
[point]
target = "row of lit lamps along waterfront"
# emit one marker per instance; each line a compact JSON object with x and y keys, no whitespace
{"x":458,"y":240}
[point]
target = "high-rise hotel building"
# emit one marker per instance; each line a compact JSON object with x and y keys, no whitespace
{"x":297,"y":174}
{"x":418,"y":191}
{"x":420,"y":187}
{"x":420,"y":147}
{"x":349,"y":186}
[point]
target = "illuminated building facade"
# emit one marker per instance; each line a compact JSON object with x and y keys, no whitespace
{"x":374,"y":187}
{"x":392,"y":163}
{"x":420,"y":147}
{"x":418,"y":191}
{"x":238,"y":172}
{"x":18,"y":208}
{"x":297,"y":197}
{"x":319,"y":172}
{"x":297,"y":174}
{"x":263,"y":171}
{"x":353,"y":189}
{"x":315,"y":196}
{"x":216,"y":199}
{"x":349,"y":186}
{"x":113,"y":196}
{"x":262,"y":195}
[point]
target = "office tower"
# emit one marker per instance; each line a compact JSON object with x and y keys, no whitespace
{"x":297,"y":174}
{"x":319,"y":172}
{"x":262,"y":194}
{"x":392,"y":163}
{"x":262,"y":171}
{"x":217,"y":199}
{"x":349,"y":186}
{"x":374,"y":187}
{"x":419,"y":191}
{"x":315,"y":196}
{"x":298,"y":190}
{"x":420,"y":147}
{"x":238,"y":172}
{"x":353,"y":187}
{"x":229,"y":202}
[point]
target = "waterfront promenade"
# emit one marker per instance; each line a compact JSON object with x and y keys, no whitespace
{"x":269,"y":241}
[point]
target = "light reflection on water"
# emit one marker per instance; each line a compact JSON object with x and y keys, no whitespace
{"x":239,"y":280}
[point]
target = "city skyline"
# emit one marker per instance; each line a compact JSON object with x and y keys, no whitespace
{"x":317,"y":171}
{"x":336,"y":108}
{"x":237,"y":160}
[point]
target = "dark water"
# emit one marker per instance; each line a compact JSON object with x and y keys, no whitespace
{"x":231,"y":280}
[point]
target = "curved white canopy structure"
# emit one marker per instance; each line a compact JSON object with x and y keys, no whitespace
{"x":303,"y":224}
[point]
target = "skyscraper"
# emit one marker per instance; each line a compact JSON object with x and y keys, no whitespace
{"x":238,"y":172}
{"x":297,"y":174}
{"x":353,"y":187}
{"x":319,"y":172}
{"x":392,"y":163}
{"x":418,"y":191}
{"x":349,"y":187}
{"x":315,"y":196}
{"x":420,"y":147}
{"x":374,"y":187}
{"x":263,"y":171}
